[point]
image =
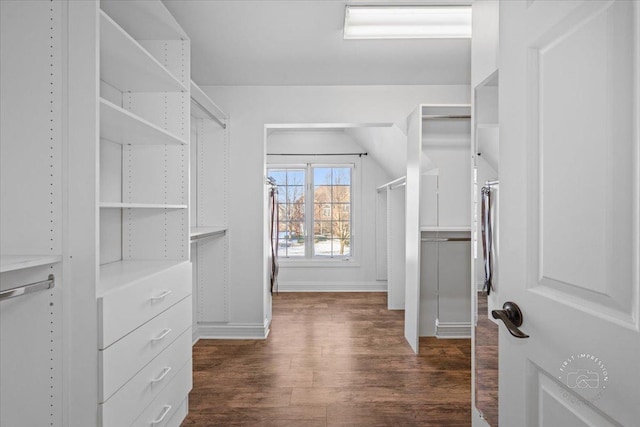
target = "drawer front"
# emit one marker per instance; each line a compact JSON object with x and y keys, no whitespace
{"x":123,"y":310}
{"x":127,"y":403}
{"x":121,"y":361}
{"x":163,"y":410}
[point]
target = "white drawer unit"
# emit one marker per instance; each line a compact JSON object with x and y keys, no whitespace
{"x":125,"y":405}
{"x":163,"y":410}
{"x":125,"y":358}
{"x":151,"y":287}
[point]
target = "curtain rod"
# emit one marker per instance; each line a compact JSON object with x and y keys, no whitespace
{"x":318,"y":154}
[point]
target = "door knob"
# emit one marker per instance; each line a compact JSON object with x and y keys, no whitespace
{"x":512,"y":318}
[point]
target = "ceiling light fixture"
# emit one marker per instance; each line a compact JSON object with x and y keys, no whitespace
{"x":407,"y":22}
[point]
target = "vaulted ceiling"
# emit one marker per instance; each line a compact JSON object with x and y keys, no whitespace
{"x":300,"y":42}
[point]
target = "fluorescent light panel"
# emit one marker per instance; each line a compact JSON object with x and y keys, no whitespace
{"x":407,"y":22}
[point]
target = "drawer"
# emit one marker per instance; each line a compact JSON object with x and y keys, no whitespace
{"x":163,"y":410}
{"x":123,"y":309}
{"x":121,"y":361}
{"x":127,"y":403}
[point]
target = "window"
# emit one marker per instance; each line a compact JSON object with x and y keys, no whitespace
{"x":317,"y":198}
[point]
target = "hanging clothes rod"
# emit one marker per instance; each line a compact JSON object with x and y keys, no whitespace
{"x":446,"y":239}
{"x":402,"y":179}
{"x":208,"y":113}
{"x":490,"y":183}
{"x":28,"y":289}
{"x":445,"y":116}
{"x":318,"y":154}
{"x":393,"y":187}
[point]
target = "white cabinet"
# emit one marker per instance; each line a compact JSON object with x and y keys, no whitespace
{"x":144,"y":285}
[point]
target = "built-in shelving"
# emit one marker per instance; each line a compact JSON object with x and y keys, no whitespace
{"x":120,"y":274}
{"x":198,"y":233}
{"x":119,"y":205}
{"x":128,"y":66}
{"x":20,"y":262}
{"x":144,"y":20}
{"x":123,"y":127}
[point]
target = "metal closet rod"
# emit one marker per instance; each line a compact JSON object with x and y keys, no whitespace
{"x":27,"y":289}
{"x":318,"y":154}
{"x":490,"y":183}
{"x":444,"y":116}
{"x":446,"y":239}
{"x":208,"y":113}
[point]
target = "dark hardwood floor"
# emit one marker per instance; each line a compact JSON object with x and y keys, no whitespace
{"x":332,"y":359}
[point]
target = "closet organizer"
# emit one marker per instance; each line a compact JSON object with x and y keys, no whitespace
{"x":209,"y":201}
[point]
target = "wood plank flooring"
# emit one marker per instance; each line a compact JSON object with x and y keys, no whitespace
{"x":331,"y":359}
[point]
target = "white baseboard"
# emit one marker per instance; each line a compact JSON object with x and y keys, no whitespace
{"x":231,"y":331}
{"x":453,"y":329}
{"x":372,"y":286}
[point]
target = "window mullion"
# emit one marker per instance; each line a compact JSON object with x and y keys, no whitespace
{"x":308,"y":217}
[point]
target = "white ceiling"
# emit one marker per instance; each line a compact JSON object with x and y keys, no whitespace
{"x":299,"y":42}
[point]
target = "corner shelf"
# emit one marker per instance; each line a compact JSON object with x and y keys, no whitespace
{"x":128,"y":66}
{"x":20,"y":262}
{"x":198,"y":233}
{"x":123,"y":127}
{"x":120,"y":205}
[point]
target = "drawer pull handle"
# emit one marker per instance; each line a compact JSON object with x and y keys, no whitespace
{"x":164,"y":373}
{"x":165,"y":411}
{"x":162,"y":335}
{"x":161,"y":296}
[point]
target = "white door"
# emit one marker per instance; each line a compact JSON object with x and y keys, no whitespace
{"x":412,"y":226}
{"x":569,"y":212}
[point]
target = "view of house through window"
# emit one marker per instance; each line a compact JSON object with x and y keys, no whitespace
{"x":327,"y":211}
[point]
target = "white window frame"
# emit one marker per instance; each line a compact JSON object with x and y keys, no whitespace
{"x":310,"y":259}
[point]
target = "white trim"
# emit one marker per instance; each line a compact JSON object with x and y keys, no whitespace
{"x":453,"y":329}
{"x":316,"y":286}
{"x":232,"y":331}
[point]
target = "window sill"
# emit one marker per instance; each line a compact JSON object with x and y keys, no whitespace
{"x":317,"y":263}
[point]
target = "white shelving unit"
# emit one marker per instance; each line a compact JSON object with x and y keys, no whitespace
{"x":209,"y":233}
{"x":144,"y":285}
{"x":32,"y":59}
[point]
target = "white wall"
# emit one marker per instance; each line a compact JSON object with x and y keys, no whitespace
{"x":359,"y":273}
{"x":250,"y":108}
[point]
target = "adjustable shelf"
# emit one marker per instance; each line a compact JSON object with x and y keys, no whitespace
{"x":122,"y":127}
{"x":120,"y":205}
{"x":128,"y":66}
{"x":20,"y":262}
{"x":198,"y":233}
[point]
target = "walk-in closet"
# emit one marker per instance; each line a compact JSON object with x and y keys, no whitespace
{"x":319,"y":213}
